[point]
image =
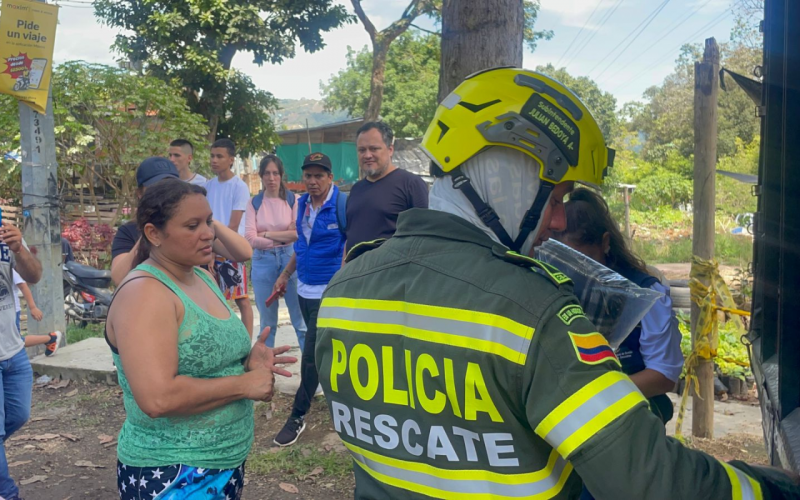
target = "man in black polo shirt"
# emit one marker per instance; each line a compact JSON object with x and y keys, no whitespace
{"x":386,"y":190}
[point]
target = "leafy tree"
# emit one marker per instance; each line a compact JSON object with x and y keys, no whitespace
{"x":11,"y":180}
{"x":602,"y":104}
{"x":382,"y":40}
{"x":194,"y":42}
{"x":666,"y":117}
{"x":107,"y":120}
{"x":252,"y":129}
{"x":412,"y":76}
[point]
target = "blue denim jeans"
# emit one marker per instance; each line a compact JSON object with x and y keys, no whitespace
{"x":267,"y":265}
{"x":16,"y":383}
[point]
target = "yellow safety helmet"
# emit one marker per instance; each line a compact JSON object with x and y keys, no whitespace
{"x":526,"y":111}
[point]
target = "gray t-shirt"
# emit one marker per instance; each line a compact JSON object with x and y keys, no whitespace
{"x":10,"y":341}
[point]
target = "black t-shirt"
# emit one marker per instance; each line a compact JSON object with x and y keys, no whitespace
{"x":66,"y":251}
{"x":125,"y":239}
{"x":372,"y":207}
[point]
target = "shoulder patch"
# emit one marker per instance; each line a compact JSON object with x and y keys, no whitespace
{"x":570,"y":312}
{"x":538,"y":266}
{"x":592,"y":348}
{"x":556,"y":275}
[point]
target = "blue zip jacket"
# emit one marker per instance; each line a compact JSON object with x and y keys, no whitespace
{"x":320,"y":258}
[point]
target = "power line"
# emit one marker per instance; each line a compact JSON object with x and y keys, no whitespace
{"x":708,"y":26}
{"x":603,"y":21}
{"x":579,"y":32}
{"x":626,"y":37}
{"x":654,"y":16}
{"x":667,"y":32}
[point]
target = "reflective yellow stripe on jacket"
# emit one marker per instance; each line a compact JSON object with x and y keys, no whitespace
{"x":480,"y":331}
{"x":743,"y":486}
{"x":467,"y":484}
{"x":588,"y":411}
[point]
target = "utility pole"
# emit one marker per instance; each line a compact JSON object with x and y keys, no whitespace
{"x":41,"y":215}
{"x":706,"y":90}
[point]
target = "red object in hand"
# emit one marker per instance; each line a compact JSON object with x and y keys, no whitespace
{"x":275,"y":296}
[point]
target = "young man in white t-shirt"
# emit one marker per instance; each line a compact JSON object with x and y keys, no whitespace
{"x":181,"y":153}
{"x":228,"y":196}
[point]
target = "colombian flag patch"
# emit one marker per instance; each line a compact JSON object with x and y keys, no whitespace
{"x":592,"y":348}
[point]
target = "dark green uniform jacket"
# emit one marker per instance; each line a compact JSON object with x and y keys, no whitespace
{"x":454,"y":369}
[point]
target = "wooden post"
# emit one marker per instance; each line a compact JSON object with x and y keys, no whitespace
{"x":706,"y":90}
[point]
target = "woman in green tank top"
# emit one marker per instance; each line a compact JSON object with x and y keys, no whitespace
{"x":184,"y":361}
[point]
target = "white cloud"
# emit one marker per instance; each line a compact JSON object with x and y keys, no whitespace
{"x":574,"y":13}
{"x":80,"y":36}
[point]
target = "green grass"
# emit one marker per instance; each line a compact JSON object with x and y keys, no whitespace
{"x":729,"y":249}
{"x":76,"y":334}
{"x":296,"y":463}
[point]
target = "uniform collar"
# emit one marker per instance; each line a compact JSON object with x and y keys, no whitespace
{"x":429,"y":222}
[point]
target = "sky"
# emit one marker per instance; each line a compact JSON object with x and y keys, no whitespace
{"x":616,"y":42}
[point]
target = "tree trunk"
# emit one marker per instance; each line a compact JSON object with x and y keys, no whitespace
{"x":212,"y":103}
{"x":380,"y":49}
{"x":477,"y":36}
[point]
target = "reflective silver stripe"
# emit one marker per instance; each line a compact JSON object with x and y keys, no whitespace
{"x":464,"y":486}
{"x":588,"y":410}
{"x":468,"y":329}
{"x":746,"y":486}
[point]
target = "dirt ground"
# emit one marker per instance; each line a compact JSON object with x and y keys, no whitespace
{"x":68,"y":449}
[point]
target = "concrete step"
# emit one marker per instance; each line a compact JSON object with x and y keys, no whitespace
{"x":91,"y":359}
{"x":88,"y":360}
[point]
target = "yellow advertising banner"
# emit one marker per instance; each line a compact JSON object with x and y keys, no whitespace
{"x":27,"y":38}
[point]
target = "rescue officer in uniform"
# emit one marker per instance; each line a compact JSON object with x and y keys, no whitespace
{"x":457,"y":367}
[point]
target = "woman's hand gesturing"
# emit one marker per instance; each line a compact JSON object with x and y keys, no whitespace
{"x":263,"y":356}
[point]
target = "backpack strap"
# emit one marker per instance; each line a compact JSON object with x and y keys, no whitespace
{"x":341,"y":210}
{"x":290,"y":198}
{"x":258,"y":200}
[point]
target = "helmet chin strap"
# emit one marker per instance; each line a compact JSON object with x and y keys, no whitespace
{"x":489,"y":217}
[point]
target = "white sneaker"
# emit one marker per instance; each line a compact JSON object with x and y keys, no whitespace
{"x":319,"y":391}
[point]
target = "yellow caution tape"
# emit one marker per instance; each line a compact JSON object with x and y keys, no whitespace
{"x":706,"y":337}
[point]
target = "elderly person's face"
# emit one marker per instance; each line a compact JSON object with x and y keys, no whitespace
{"x":187,"y":236}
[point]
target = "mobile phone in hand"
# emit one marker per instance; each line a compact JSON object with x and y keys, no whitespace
{"x":275,"y":296}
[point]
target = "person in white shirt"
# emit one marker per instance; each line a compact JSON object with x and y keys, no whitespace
{"x":228,"y":196}
{"x":181,"y":153}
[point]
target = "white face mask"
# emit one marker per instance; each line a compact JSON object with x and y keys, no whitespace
{"x":506,"y":179}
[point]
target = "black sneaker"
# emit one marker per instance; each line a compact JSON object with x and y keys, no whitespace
{"x":52,"y":346}
{"x":291,"y":432}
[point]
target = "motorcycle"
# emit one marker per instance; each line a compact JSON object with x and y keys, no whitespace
{"x":87,"y":293}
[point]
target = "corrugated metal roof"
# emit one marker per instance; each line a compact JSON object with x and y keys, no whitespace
{"x":409,"y":156}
